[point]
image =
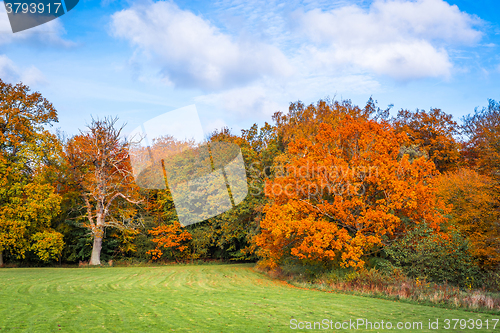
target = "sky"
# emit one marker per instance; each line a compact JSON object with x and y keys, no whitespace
{"x":241,"y":61}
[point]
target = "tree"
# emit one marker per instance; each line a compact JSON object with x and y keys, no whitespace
{"x":474,"y":198}
{"x":475,"y":193}
{"x":345,"y":192}
{"x":433,"y":133}
{"x":483,"y":146}
{"x":171,"y":238}
{"x":100,"y":169}
{"x":27,"y":202}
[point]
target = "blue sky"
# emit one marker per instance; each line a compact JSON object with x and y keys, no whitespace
{"x":239,"y":62}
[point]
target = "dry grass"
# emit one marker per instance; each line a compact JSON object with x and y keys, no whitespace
{"x":396,"y":286}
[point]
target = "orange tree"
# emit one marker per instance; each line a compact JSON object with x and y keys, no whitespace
{"x":432,"y":133}
{"x":171,"y":238}
{"x":343,"y":192}
{"x":28,"y":203}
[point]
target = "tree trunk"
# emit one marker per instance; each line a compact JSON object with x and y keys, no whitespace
{"x":1,"y":258}
{"x":95,"y":259}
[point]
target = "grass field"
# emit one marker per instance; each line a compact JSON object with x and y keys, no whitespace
{"x":206,"y":298}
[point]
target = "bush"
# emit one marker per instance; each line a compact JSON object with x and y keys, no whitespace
{"x":423,"y":253}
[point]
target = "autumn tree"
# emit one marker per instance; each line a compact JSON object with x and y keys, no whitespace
{"x":475,"y":193}
{"x":344,"y":192}
{"x":27,"y":202}
{"x":99,"y":164}
{"x":433,"y":133}
{"x":474,"y":198}
{"x":171,"y":238}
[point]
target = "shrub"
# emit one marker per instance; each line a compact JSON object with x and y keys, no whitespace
{"x":423,"y":253}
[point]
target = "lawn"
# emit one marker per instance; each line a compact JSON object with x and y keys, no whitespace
{"x":205,"y":298}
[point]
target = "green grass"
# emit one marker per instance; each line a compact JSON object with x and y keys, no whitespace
{"x":206,"y":298}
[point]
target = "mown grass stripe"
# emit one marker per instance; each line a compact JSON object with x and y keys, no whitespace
{"x":209,"y":298}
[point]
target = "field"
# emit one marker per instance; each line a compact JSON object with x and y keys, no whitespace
{"x":205,"y":298}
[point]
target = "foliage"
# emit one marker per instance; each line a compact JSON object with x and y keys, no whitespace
{"x":126,"y":240}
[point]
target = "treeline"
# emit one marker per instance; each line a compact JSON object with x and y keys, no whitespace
{"x":331,"y":186}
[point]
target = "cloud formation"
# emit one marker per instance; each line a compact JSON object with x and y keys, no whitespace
{"x":192,"y":52}
{"x":402,"y":39}
{"x":298,"y":50}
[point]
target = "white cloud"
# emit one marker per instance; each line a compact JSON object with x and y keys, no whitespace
{"x":402,"y":39}
{"x":48,"y":33}
{"x":192,"y":52}
{"x":10,"y":73}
